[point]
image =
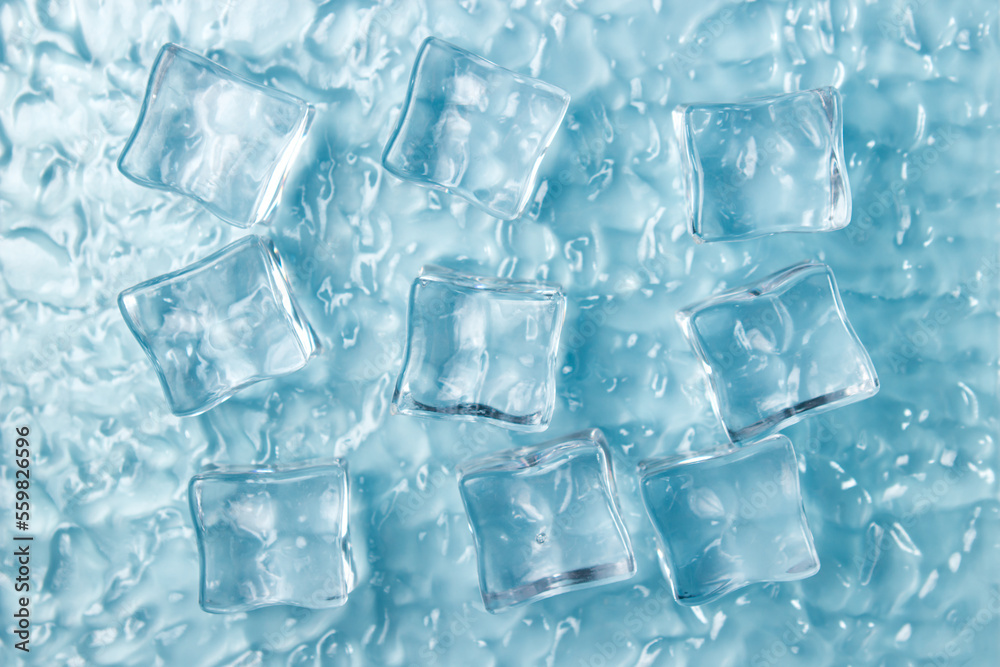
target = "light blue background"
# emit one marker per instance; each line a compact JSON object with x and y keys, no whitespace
{"x":900,"y":491}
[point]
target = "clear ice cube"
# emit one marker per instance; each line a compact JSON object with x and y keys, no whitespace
{"x":728,"y":518}
{"x":474,"y":129}
{"x":273,"y":536}
{"x":481,"y":348}
{"x":215,"y":137}
{"x":763,"y":166}
{"x":545,"y":520}
{"x":779,"y":349}
{"x":218,"y":325}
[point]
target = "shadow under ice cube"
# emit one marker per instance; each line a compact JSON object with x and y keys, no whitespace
{"x":473,"y":128}
{"x":728,"y":518}
{"x":779,"y":349}
{"x":767,"y":165}
{"x":545,"y":520}
{"x":481,"y":348}
{"x":215,"y":137}
{"x":219,"y":325}
{"x":273,"y":536}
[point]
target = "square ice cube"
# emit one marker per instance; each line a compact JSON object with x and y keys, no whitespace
{"x":215,"y":137}
{"x":545,"y":520}
{"x":481,"y":348}
{"x":473,"y":128}
{"x":777,"y":349}
{"x":768,"y":165}
{"x":218,"y":325}
{"x":728,"y":518}
{"x":273,"y":536}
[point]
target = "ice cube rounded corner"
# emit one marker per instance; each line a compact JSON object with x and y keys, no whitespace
{"x":764,"y":166}
{"x":481,"y":349}
{"x":545,"y":520}
{"x":778,"y":350}
{"x":219,"y":325}
{"x":213,"y":136}
{"x":273,"y":536}
{"x":473,"y":129}
{"x":728,"y":518}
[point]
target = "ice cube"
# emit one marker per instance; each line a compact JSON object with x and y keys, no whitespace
{"x":545,"y":520}
{"x":728,"y":518}
{"x":273,"y":536}
{"x":779,"y":349}
{"x":481,"y":348}
{"x":215,"y":137}
{"x":767,"y":165}
{"x":218,"y":325}
{"x":474,"y":129}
